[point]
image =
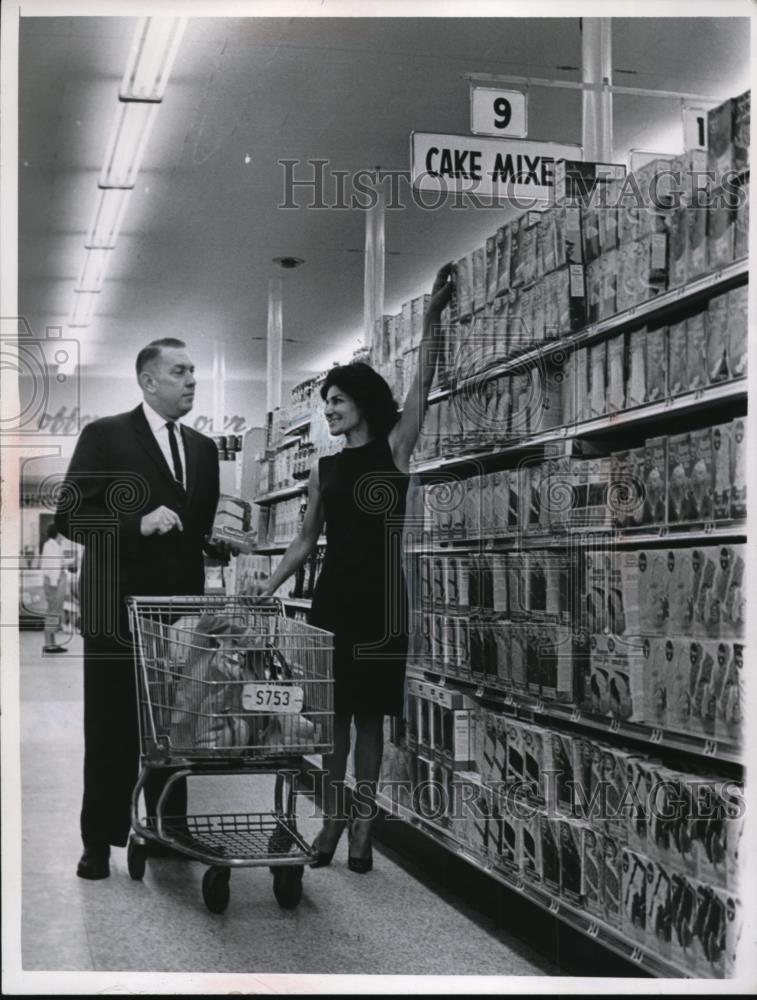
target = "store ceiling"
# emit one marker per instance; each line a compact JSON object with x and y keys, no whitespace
{"x":195,"y":252}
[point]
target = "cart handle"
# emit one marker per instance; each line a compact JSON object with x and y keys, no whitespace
{"x":191,"y":600}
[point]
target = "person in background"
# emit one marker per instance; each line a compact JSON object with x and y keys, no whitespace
{"x":54,"y":582}
{"x":360,"y":595}
{"x":140,"y":494}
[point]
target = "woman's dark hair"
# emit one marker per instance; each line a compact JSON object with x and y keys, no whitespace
{"x":370,"y":392}
{"x":51,"y":531}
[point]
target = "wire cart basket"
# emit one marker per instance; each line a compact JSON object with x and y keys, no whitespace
{"x":227,"y":685}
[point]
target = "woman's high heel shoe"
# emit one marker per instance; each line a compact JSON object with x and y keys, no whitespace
{"x":360,"y":865}
{"x":322,"y":859}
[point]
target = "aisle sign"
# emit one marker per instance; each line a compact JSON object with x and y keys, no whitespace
{"x":499,"y":168}
{"x":498,"y":112}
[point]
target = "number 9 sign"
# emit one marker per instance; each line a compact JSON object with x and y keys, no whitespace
{"x":498,"y":112}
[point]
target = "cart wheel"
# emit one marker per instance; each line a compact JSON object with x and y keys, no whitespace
{"x":215,"y":889}
{"x":136,"y":859}
{"x":287,"y":886}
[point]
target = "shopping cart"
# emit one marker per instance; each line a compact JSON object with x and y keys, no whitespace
{"x":229,"y":686}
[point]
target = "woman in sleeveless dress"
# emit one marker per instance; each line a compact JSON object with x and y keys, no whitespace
{"x":360,"y":596}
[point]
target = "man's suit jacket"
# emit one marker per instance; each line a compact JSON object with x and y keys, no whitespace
{"x":118,"y":474}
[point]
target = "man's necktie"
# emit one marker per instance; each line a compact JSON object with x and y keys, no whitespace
{"x":178,"y":471}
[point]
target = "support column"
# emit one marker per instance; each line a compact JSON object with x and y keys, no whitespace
{"x":274,"y":344}
{"x":596,"y":62}
{"x":219,"y":386}
{"x":373,"y":278}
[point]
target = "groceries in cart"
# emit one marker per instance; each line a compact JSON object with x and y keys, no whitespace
{"x":233,"y":687}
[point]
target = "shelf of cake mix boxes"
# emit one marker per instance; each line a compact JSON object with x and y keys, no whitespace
{"x":576,"y":560}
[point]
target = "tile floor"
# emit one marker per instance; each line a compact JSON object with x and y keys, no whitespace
{"x":384,"y":923}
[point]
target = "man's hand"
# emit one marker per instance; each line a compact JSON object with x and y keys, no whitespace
{"x":160,"y":522}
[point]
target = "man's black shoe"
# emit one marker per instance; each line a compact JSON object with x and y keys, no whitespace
{"x":94,"y":863}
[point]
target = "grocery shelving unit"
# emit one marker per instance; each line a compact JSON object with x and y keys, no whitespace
{"x":698,"y":753}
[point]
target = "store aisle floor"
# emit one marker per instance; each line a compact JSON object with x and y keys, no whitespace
{"x":383,"y":923}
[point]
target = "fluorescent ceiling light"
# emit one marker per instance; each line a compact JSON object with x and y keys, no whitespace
{"x":156,"y":42}
{"x":110,"y":209}
{"x":93,"y":273}
{"x":84,"y":306}
{"x":126,"y":146}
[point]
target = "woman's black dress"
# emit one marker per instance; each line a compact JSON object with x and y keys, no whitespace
{"x":361,"y":595}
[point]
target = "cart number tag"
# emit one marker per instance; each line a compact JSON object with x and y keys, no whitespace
{"x":282,"y":699}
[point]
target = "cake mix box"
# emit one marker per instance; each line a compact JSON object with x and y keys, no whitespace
{"x":568,"y":235}
{"x":612,"y":881}
{"x":478,"y":278}
{"x":591,"y":239}
{"x":702,"y":475}
{"x":504,"y":249}
{"x":549,"y":835}
{"x":721,"y":230}
{"x":655,"y":361}
{"x":464,"y":286}
{"x":678,"y":678}
{"x":636,"y":468}
{"x":659,"y":655}
{"x":741,"y":130}
{"x":616,"y":374}
{"x":738,"y":331}
{"x":597,"y":365}
{"x":491,"y":268}
{"x":678,"y":250}
{"x":546,"y":245}
{"x":720,"y":136}
{"x":659,"y":910}
{"x":679,"y":478}
{"x":571,"y":859}
{"x":721,"y":452}
{"x":651,"y":256}
{"x":655,"y":480}
{"x":594,"y":289}
{"x":718,"y":320}
{"x":685,"y":918}
{"x":738,"y":469}
{"x":608,"y":284}
{"x":696,"y":350}
{"x":640,"y":778}
{"x":696,"y":241}
{"x":636,"y":387}
{"x":705,"y":564}
{"x":627,"y":679}
{"x":634,"y":896}
{"x":529,"y":841}
{"x":627,"y":293}
{"x":679,"y":592}
{"x":591,"y":872}
{"x":677,"y":364}
{"x":729,"y":696}
{"x":741,"y":228}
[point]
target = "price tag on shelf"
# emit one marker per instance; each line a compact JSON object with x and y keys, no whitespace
{"x":277,"y":699}
{"x":480,"y":691}
{"x":710,"y":748}
{"x":656,"y":736}
{"x":637,"y":955}
{"x":554,"y":906}
{"x":575,"y":715}
{"x":593,"y":929}
{"x":614,"y":725}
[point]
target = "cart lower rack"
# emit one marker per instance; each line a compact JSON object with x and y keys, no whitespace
{"x":228,"y":686}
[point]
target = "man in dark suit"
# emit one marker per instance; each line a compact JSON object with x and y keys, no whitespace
{"x":140,"y":494}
